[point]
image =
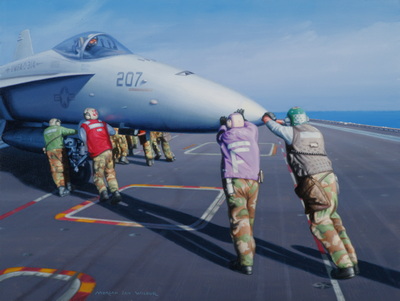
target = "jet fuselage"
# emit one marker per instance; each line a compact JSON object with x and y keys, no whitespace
{"x":129,"y":91}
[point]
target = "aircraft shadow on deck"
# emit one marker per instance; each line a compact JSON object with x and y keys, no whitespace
{"x":144,"y":212}
{"x":17,"y":162}
{"x":367,"y":270}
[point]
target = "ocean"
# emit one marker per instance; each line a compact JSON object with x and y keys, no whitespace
{"x":377,"y":118}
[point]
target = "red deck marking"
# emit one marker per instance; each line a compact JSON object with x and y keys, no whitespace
{"x":275,"y":149}
{"x":86,"y":282}
{"x":5,"y":215}
{"x":16,"y":210}
{"x":190,"y":146}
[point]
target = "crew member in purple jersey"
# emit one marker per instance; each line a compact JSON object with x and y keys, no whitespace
{"x":240,"y":172}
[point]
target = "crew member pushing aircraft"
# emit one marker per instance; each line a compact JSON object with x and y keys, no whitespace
{"x":57,"y":155}
{"x":317,"y":186}
{"x":96,"y":135}
{"x":240,"y":171}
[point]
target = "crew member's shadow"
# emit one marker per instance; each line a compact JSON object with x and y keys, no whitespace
{"x":368,"y":270}
{"x":147,"y":213}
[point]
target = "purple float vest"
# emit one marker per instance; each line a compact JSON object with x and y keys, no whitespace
{"x":240,"y":152}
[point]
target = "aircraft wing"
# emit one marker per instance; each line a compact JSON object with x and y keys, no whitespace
{"x":14,"y":81}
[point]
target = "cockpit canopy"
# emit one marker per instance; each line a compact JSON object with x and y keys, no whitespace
{"x":91,"y":45}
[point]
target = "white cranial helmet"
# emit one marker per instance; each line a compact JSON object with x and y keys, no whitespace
{"x":235,"y":120}
{"x":90,"y":114}
{"x":54,"y":121}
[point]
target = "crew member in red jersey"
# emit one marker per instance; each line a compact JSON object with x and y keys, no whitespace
{"x":96,"y":136}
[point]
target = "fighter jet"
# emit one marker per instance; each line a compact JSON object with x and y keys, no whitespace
{"x":130,"y":92}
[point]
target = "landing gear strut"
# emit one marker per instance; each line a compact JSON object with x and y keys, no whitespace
{"x":79,"y":161}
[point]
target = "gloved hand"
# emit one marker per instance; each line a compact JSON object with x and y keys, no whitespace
{"x":269,"y":115}
{"x":241,"y":111}
{"x":222,"y":120}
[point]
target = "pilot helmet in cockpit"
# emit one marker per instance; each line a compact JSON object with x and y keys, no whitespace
{"x":92,"y":42}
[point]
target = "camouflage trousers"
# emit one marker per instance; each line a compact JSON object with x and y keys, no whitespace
{"x":132,"y":141}
{"x":166,"y":148}
{"x":148,"y":151}
{"x":120,"y":146}
{"x":241,"y":212}
{"x":103,"y":167}
{"x":145,"y":141}
{"x":59,"y":166}
{"x":328,"y":228}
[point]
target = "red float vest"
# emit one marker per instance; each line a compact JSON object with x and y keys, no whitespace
{"x":97,"y":137}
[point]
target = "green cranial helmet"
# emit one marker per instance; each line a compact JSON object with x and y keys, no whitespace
{"x":297,"y":116}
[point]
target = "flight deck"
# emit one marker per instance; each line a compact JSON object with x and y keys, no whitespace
{"x":169,"y":237}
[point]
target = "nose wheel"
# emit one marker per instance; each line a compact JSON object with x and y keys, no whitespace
{"x":82,"y":175}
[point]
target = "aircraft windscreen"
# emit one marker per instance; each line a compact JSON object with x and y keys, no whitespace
{"x":90,"y":45}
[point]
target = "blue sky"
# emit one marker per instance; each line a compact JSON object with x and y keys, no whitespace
{"x":318,"y":54}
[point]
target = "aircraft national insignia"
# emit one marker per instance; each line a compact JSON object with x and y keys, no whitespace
{"x":64,"y":97}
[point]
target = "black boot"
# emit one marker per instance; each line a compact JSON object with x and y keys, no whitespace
{"x":103,"y":196}
{"x":171,"y":159}
{"x":356,"y":269}
{"x":116,"y":198}
{"x":244,"y":269}
{"x":69,"y":186}
{"x":62,"y":191}
{"x":124,"y":160}
{"x":343,"y":273}
{"x":149,"y":162}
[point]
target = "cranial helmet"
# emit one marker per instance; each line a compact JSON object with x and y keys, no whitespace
{"x":235,"y":120}
{"x":90,"y":114}
{"x":54,"y":121}
{"x":296,"y":116}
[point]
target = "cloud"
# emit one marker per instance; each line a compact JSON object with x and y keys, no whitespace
{"x":359,"y":65}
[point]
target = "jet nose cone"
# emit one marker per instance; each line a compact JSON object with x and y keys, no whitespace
{"x":215,"y":100}
{"x":253,"y":111}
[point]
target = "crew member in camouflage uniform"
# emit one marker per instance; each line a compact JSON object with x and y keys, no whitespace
{"x":162,"y":138}
{"x":306,"y":155}
{"x":96,"y":135}
{"x":240,"y":170}
{"x":120,"y":148}
{"x":132,"y":143}
{"x":145,"y":141}
{"x":57,"y":155}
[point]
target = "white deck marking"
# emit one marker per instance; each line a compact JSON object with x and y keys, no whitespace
{"x":269,"y":152}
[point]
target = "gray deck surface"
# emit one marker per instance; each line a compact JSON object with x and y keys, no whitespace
{"x":169,"y":238}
